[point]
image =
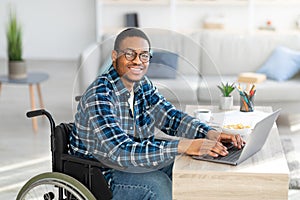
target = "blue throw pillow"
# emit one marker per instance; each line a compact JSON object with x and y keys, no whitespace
{"x":282,"y":65}
{"x":163,"y":65}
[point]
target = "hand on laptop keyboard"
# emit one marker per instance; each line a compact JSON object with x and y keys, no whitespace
{"x":202,"y":146}
{"x":236,"y":139}
{"x":212,"y":146}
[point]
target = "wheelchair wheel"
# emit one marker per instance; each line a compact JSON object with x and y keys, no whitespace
{"x":52,"y":186}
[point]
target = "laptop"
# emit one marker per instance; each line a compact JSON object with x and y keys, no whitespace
{"x":254,"y":143}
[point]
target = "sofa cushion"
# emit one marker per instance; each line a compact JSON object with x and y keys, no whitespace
{"x":227,"y":53}
{"x":163,"y":65}
{"x":180,"y":91}
{"x":283,"y":64}
{"x":232,"y":53}
{"x":105,"y":66}
{"x":185,"y":47}
{"x":274,"y":91}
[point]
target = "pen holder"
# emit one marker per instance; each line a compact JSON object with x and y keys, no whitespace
{"x":246,"y":104}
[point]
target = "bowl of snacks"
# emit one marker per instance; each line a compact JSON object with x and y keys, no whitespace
{"x":239,"y":128}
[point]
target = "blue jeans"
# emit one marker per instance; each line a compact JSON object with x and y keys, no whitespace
{"x":150,"y":185}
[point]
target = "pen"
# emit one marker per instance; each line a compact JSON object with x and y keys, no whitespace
{"x":252,"y":94}
{"x":245,"y":105}
{"x":252,"y":90}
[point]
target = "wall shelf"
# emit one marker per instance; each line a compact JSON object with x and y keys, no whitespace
{"x":212,"y":2}
{"x":198,"y":2}
{"x":183,"y":15}
{"x":134,"y":2}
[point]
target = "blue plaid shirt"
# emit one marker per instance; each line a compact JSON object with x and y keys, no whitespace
{"x":106,"y":129}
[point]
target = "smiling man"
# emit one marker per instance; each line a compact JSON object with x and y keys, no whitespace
{"x":116,"y":120}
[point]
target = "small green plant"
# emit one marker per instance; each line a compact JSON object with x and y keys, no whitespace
{"x":226,"y":89}
{"x":14,"y":38}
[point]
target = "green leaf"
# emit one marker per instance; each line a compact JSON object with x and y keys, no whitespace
{"x":14,"y":38}
{"x":226,"y":89}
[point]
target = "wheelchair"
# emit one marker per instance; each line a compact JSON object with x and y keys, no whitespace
{"x":72,"y":178}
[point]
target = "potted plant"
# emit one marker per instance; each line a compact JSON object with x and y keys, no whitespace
{"x":16,"y":64}
{"x":226,"y":100}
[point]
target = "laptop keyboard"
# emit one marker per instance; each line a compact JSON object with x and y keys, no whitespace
{"x":232,"y":156}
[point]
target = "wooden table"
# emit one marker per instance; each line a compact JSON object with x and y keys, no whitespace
{"x":263,"y":176}
{"x":34,"y":78}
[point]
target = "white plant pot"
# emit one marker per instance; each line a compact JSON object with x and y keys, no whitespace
{"x":226,"y":103}
{"x":17,"y":70}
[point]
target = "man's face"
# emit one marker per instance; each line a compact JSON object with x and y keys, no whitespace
{"x":129,"y":61}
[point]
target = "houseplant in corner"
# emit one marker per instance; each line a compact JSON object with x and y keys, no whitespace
{"x":16,"y":64}
{"x":226,"y":99}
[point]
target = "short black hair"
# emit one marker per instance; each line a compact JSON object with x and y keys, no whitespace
{"x":130,"y":32}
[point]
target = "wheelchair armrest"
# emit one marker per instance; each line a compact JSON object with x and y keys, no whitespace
{"x":68,"y":157}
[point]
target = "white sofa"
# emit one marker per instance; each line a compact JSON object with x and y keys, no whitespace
{"x":228,"y":54}
{"x":207,"y":58}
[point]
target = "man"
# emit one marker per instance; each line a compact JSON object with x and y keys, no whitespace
{"x":115,"y":123}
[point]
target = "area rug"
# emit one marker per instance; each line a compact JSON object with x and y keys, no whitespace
{"x":293,"y":160}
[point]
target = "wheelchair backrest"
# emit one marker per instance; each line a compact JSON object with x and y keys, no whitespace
{"x":60,"y":144}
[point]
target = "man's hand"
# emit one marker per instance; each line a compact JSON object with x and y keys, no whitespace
{"x":201,"y":147}
{"x":212,"y":145}
{"x":236,"y":139}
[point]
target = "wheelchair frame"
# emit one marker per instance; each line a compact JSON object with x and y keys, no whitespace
{"x":75,"y":177}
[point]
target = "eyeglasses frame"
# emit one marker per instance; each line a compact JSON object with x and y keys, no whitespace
{"x":136,"y":54}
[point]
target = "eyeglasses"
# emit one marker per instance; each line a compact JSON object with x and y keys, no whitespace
{"x":130,"y":55}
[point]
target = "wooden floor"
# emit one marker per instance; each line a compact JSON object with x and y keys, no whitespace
{"x":24,"y":153}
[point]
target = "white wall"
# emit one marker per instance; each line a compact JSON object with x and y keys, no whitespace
{"x":52,"y":29}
